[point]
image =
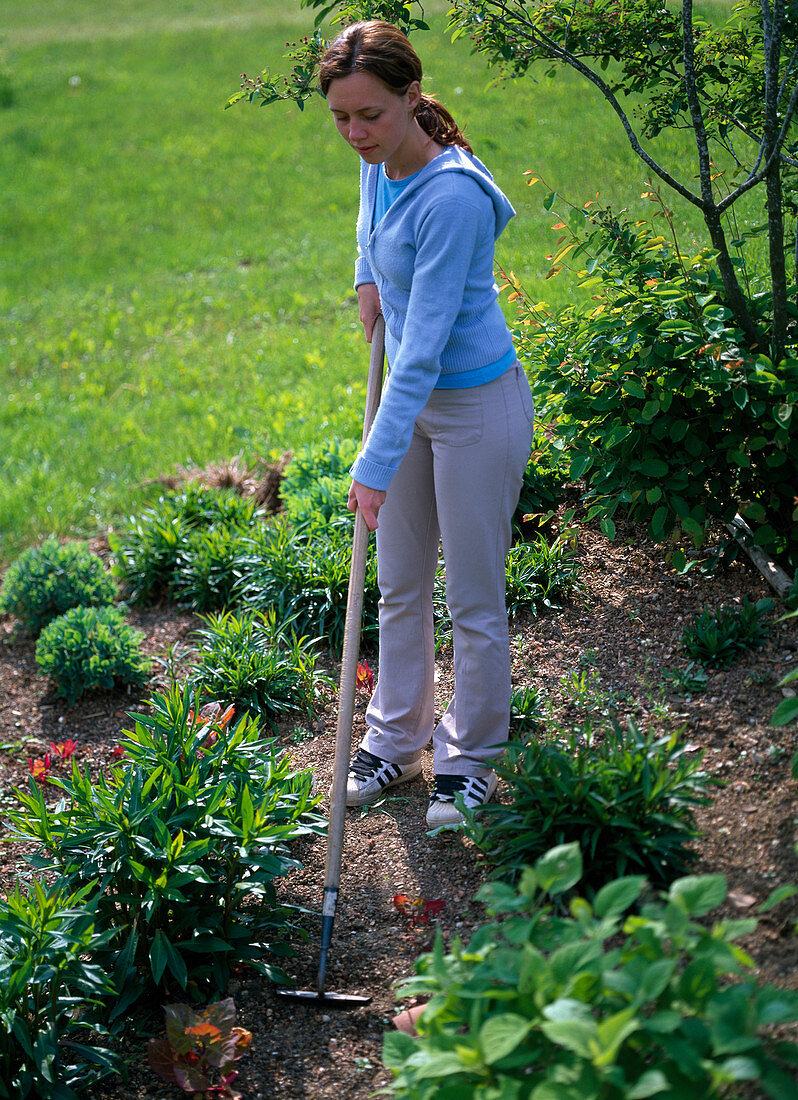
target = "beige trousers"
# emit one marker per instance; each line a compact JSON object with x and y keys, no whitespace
{"x":458,"y":485}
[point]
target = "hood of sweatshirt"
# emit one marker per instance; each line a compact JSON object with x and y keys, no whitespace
{"x":455,"y":159}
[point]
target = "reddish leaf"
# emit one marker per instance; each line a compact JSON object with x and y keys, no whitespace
{"x":161,"y":1059}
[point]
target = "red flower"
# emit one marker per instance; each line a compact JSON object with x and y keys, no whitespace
{"x":117,"y":753}
{"x":364,"y":679}
{"x":63,"y":750}
{"x":417,"y":910}
{"x":40,"y":769}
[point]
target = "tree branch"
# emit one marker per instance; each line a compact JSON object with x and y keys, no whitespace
{"x":558,"y":53}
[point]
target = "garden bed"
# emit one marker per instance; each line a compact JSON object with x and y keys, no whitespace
{"x":619,"y":640}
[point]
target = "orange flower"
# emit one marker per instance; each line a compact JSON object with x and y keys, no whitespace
{"x":40,"y":769}
{"x":364,"y":679}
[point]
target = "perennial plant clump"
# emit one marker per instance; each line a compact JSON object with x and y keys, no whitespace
{"x":618,"y":998}
{"x":89,"y":649}
{"x":625,"y":796}
{"x":47,"y":580}
{"x":178,"y":846}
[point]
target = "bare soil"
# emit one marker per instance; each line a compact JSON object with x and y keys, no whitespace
{"x":624,"y":633}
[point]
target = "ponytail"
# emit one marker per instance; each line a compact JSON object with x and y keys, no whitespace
{"x":435,"y":120}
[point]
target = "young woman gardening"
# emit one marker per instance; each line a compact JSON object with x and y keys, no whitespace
{"x":447,"y":452}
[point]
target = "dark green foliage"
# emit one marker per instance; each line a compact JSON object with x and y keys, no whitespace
{"x":91,"y":648}
{"x":152,"y":550}
{"x":316,"y":481}
{"x":245,"y":660}
{"x":544,"y":477}
{"x":528,"y":708}
{"x":719,"y":637}
{"x":50,"y":579}
{"x":205,"y":573}
{"x":541,"y":574}
{"x":595,"y":1005}
{"x":626,"y":797}
{"x":182,"y":842}
{"x":303,"y":577}
{"x":50,"y":990}
{"x":665,"y":413}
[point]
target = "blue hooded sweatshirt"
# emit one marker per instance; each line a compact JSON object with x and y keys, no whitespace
{"x":431,"y":257}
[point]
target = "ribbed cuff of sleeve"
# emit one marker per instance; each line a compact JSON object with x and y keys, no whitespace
{"x":372,"y":474}
{"x":363,"y":273}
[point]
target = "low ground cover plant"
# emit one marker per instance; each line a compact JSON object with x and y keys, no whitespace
{"x":561,"y":998}
{"x":178,"y":848}
{"x":51,"y":994}
{"x":625,"y":796}
{"x":47,"y":580}
{"x":246,"y":660}
{"x":315,"y":483}
{"x":90,"y":649}
{"x":718,"y":637}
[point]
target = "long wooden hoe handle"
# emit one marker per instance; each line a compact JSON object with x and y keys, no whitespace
{"x":349,"y":660}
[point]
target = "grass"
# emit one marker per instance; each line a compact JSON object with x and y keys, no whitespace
{"x":175,"y":279}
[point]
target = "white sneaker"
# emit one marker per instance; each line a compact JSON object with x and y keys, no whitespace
{"x":369,"y":776}
{"x":475,"y":789}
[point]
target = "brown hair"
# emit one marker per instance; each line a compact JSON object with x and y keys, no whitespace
{"x":384,"y":51}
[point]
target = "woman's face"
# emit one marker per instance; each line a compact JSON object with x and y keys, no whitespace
{"x":374,"y":120}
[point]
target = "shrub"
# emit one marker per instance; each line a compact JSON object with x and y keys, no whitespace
{"x":91,"y":648}
{"x":303,"y":577}
{"x":330,"y":459}
{"x":542,"y":489}
{"x":593,"y":1005}
{"x":50,"y":579}
{"x":180,"y":845}
{"x":50,"y":993}
{"x":624,"y":796}
{"x":150,"y":549}
{"x":245,"y":660}
{"x":664,"y":412}
{"x":719,"y":637}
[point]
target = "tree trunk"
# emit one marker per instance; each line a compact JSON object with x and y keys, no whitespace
{"x":735,"y":299}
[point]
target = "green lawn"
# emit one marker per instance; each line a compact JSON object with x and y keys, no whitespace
{"x":175,"y":279}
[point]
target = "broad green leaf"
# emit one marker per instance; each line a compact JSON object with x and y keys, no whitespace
{"x":699,"y":893}
{"x":560,"y":868}
{"x":608,"y":527}
{"x":652,"y":1082}
{"x":785,"y":712}
{"x":500,"y":1035}
{"x":654,"y":467}
{"x":633,"y":388}
{"x":616,"y":897}
{"x":158,"y":957}
{"x":579,"y":465}
{"x":575,"y":1035}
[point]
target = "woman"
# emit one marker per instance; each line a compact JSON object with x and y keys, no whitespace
{"x":446,"y":454}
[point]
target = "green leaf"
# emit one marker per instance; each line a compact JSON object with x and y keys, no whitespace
{"x":616,"y":897}
{"x":158,"y":957}
{"x":549,"y":200}
{"x":560,"y":868}
{"x":654,"y":467}
{"x":634,"y":389}
{"x":575,"y":1035}
{"x":698,"y":894}
{"x":785,"y":712}
{"x":579,"y":465}
{"x":500,"y":1035}
{"x":608,"y":527}
{"x":652,"y":1082}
